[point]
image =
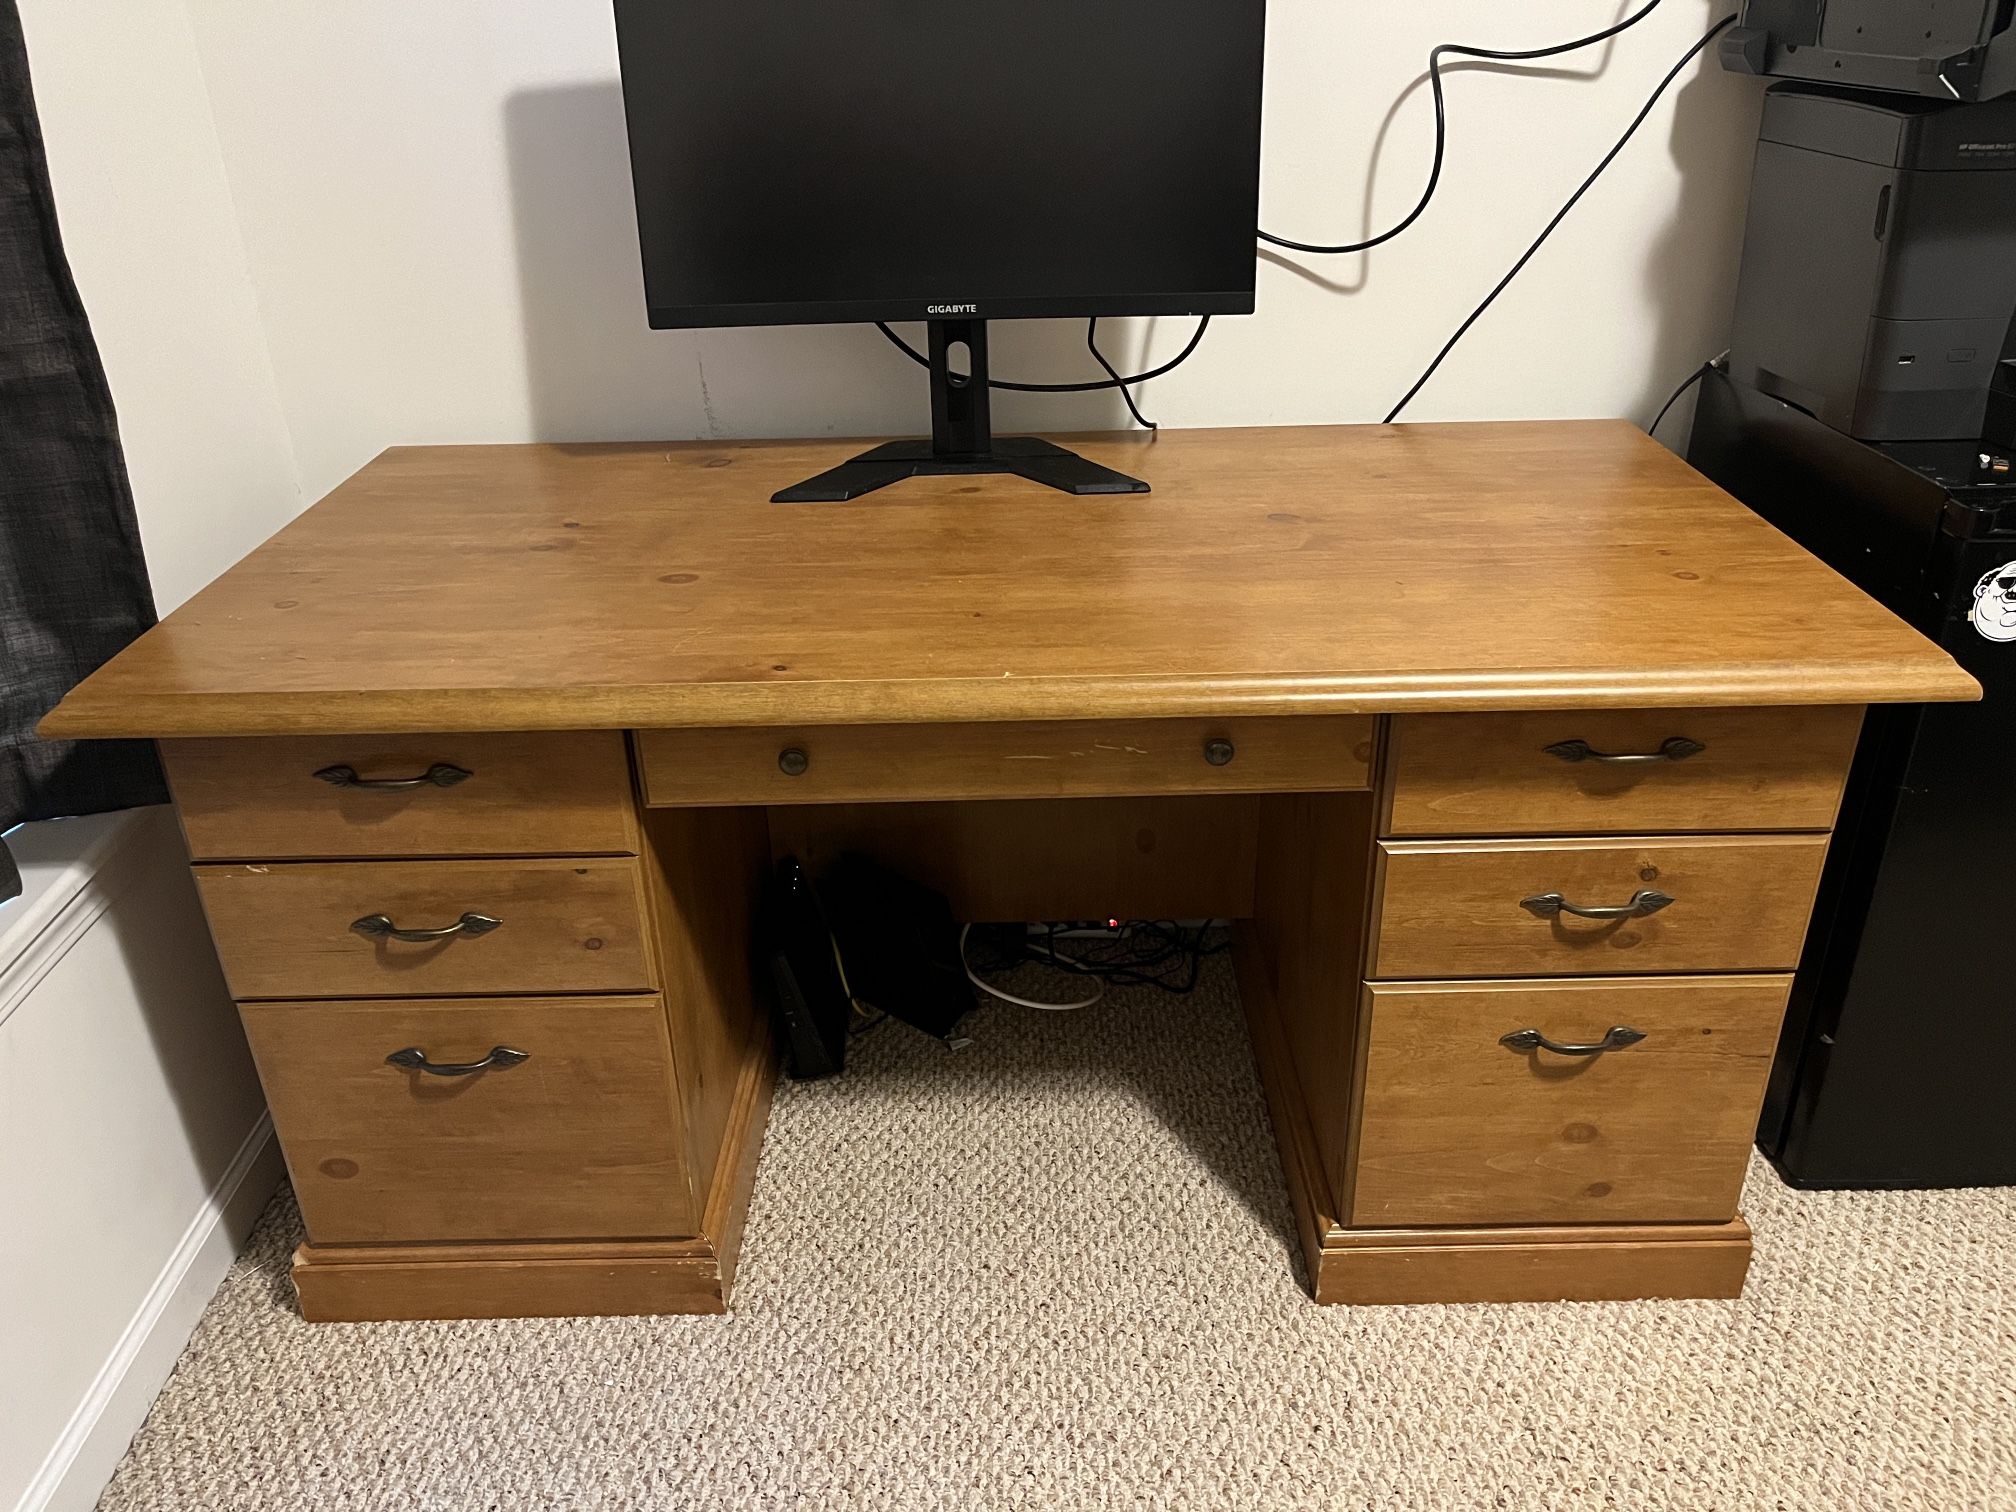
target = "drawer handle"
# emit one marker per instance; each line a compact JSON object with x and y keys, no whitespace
{"x":793,"y":762}
{"x":1674,"y":748}
{"x":413,"y":1058}
{"x":441,"y":774}
{"x":1219,"y":752}
{"x":1532,"y":1039}
{"x":379,"y":927}
{"x":1551,"y":905}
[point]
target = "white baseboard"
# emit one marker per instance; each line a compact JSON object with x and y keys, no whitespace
{"x":94,"y":1440}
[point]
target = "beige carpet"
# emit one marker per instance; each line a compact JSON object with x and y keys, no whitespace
{"x":1053,"y":1271}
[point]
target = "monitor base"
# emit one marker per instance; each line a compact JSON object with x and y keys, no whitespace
{"x":962,"y":438}
{"x":1020,"y":456}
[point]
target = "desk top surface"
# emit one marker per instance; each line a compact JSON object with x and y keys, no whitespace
{"x":1294,"y":570}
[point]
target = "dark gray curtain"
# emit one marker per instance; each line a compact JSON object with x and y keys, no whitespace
{"x":73,"y":587}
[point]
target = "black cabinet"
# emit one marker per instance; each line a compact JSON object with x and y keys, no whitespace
{"x":1897,"y":1067}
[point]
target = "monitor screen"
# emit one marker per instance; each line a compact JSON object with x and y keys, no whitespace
{"x":799,"y":161}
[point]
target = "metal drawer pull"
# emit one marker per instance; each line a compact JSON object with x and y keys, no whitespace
{"x":1674,"y":748}
{"x":379,"y":927}
{"x":1550,"y":905}
{"x":1219,"y":752}
{"x":1532,"y":1039}
{"x":441,"y":774}
{"x":413,"y":1058}
{"x":793,"y":762}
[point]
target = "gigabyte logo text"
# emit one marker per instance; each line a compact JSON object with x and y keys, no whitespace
{"x":965,"y":309}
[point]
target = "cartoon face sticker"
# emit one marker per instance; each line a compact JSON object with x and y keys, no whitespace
{"x":1995,"y":604}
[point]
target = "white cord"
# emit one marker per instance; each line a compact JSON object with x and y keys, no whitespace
{"x":1098,"y":990}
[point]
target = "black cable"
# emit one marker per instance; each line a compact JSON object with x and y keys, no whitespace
{"x":921,"y":360}
{"x":1442,"y":121}
{"x":1562,"y":214}
{"x":1092,"y":346}
{"x":1674,"y":398}
{"x":1121,"y":958}
{"x":1141,"y":956}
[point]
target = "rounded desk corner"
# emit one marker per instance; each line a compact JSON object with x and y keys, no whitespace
{"x":63,"y":723}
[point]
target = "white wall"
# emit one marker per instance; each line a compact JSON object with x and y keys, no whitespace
{"x":153,"y":242}
{"x":435,"y":201}
{"x":134,"y":1152}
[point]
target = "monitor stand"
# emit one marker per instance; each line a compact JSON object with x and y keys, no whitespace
{"x":962,"y":438}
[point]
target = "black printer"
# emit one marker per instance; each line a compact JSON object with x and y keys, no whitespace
{"x":1878,"y":289}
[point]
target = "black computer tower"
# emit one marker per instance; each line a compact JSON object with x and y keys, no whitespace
{"x":1897,"y":1067}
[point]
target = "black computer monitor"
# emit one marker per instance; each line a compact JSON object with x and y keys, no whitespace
{"x":801,"y":161}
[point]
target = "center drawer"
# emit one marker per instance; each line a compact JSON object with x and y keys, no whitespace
{"x":1055,"y":759}
{"x":1458,"y":1127}
{"x":1478,"y":908}
{"x":569,"y":1131}
{"x":316,"y":929}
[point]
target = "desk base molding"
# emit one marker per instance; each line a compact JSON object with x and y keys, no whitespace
{"x":504,"y":1281}
{"x":1621,"y":1264}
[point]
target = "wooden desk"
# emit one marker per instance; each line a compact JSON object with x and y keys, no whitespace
{"x":1400,"y":636}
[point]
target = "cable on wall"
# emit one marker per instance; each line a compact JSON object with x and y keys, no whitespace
{"x":1713,"y":364}
{"x":1126,"y":394}
{"x":1124,"y":383}
{"x":1097,"y":386}
{"x":1562,"y":214}
{"x":1435,"y":56}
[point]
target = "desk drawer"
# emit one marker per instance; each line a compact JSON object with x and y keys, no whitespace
{"x":286,"y":930}
{"x":579,"y":1139}
{"x":1458,"y":908}
{"x":1066,"y":759}
{"x":1584,"y":773}
{"x":272,"y":799}
{"x":1458,"y":1128}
